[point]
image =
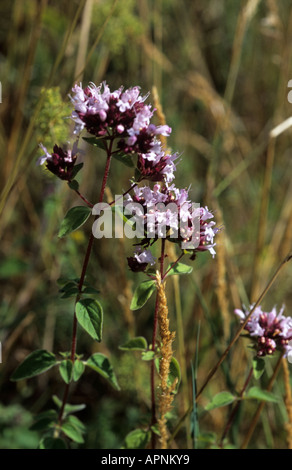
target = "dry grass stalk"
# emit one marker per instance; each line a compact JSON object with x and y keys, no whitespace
{"x":160,"y":115}
{"x":288,"y":402}
{"x":167,"y":337}
{"x":221,"y":289}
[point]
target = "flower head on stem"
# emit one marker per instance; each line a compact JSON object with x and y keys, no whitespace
{"x":270,"y":331}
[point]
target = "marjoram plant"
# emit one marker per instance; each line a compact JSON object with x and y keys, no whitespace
{"x":154,"y":211}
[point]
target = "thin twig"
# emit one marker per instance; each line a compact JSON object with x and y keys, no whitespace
{"x":237,"y":335}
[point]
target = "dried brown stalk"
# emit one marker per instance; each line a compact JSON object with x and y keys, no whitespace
{"x":167,"y":337}
{"x":288,"y":402}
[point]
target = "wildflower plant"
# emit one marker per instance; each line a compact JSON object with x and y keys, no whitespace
{"x":154,"y":213}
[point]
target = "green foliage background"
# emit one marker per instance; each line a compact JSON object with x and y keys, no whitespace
{"x":221,"y":69}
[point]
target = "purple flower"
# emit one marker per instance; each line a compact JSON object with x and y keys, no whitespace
{"x":156,"y":166}
{"x":167,"y":212}
{"x":270,"y":331}
{"x":140,"y":260}
{"x":121,"y":114}
{"x":61,"y":161}
{"x":102,"y":112}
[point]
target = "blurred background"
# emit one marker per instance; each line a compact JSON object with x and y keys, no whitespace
{"x":221,"y":72}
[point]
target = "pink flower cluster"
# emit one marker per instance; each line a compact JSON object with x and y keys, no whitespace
{"x":61,"y":161}
{"x":167,"y":212}
{"x":122,"y":118}
{"x":270,"y":331}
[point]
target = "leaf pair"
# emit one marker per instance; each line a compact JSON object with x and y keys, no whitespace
{"x":40,"y":361}
{"x":145,"y":290}
{"x":226,"y":398}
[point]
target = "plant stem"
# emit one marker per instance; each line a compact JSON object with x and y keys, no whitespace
{"x":235,"y":338}
{"x":235,"y":409}
{"x":81,"y":281}
{"x":83,"y":198}
{"x":173,"y":264}
{"x":152,"y":372}
{"x":124,"y":194}
{"x":262,"y":404}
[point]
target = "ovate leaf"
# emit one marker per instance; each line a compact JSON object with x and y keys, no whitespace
{"x":89,"y":314}
{"x":179,"y":268}
{"x":66,"y":369}
{"x":137,"y":439}
{"x":174,"y":371}
{"x":73,"y":185}
{"x":148,"y":355}
{"x":101,"y":364}
{"x":52,"y":443}
{"x":126,"y":159}
{"x":95,"y":141}
{"x":68,"y":407}
{"x":142,"y":293}
{"x":76,"y":170}
{"x":221,"y":399}
{"x":262,"y":395}
{"x":78,"y":369}
{"x":258,"y":367}
{"x":135,"y":344}
{"x":36,"y":363}
{"x":74,"y":429}
{"x":44,"y":420}
{"x":75,"y":218}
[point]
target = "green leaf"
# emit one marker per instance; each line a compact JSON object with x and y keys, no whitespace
{"x":179,"y":268}
{"x":66,"y":368}
{"x":101,"y":364}
{"x":69,"y":289}
{"x":78,"y":370}
{"x":89,"y":314}
{"x":74,"y":429}
{"x":76,"y":170}
{"x":125,"y":159}
{"x":44,"y":420}
{"x":68,"y":408}
{"x":95,"y":141}
{"x":135,"y":344}
{"x":73,"y":185}
{"x":142,"y":293}
{"x":174,"y":371}
{"x":137,"y":439}
{"x":72,"y":419}
{"x":258,"y":364}
{"x":75,"y":218}
{"x":221,"y":399}
{"x":262,"y":395}
{"x":90,"y":290}
{"x":36,"y":363}
{"x":117,"y":209}
{"x":148,"y":355}
{"x":52,"y":443}
{"x":62,"y":281}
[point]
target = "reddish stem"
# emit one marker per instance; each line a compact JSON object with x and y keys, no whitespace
{"x":172,"y":266}
{"x":235,"y":409}
{"x":83,"y":198}
{"x":82,"y":277}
